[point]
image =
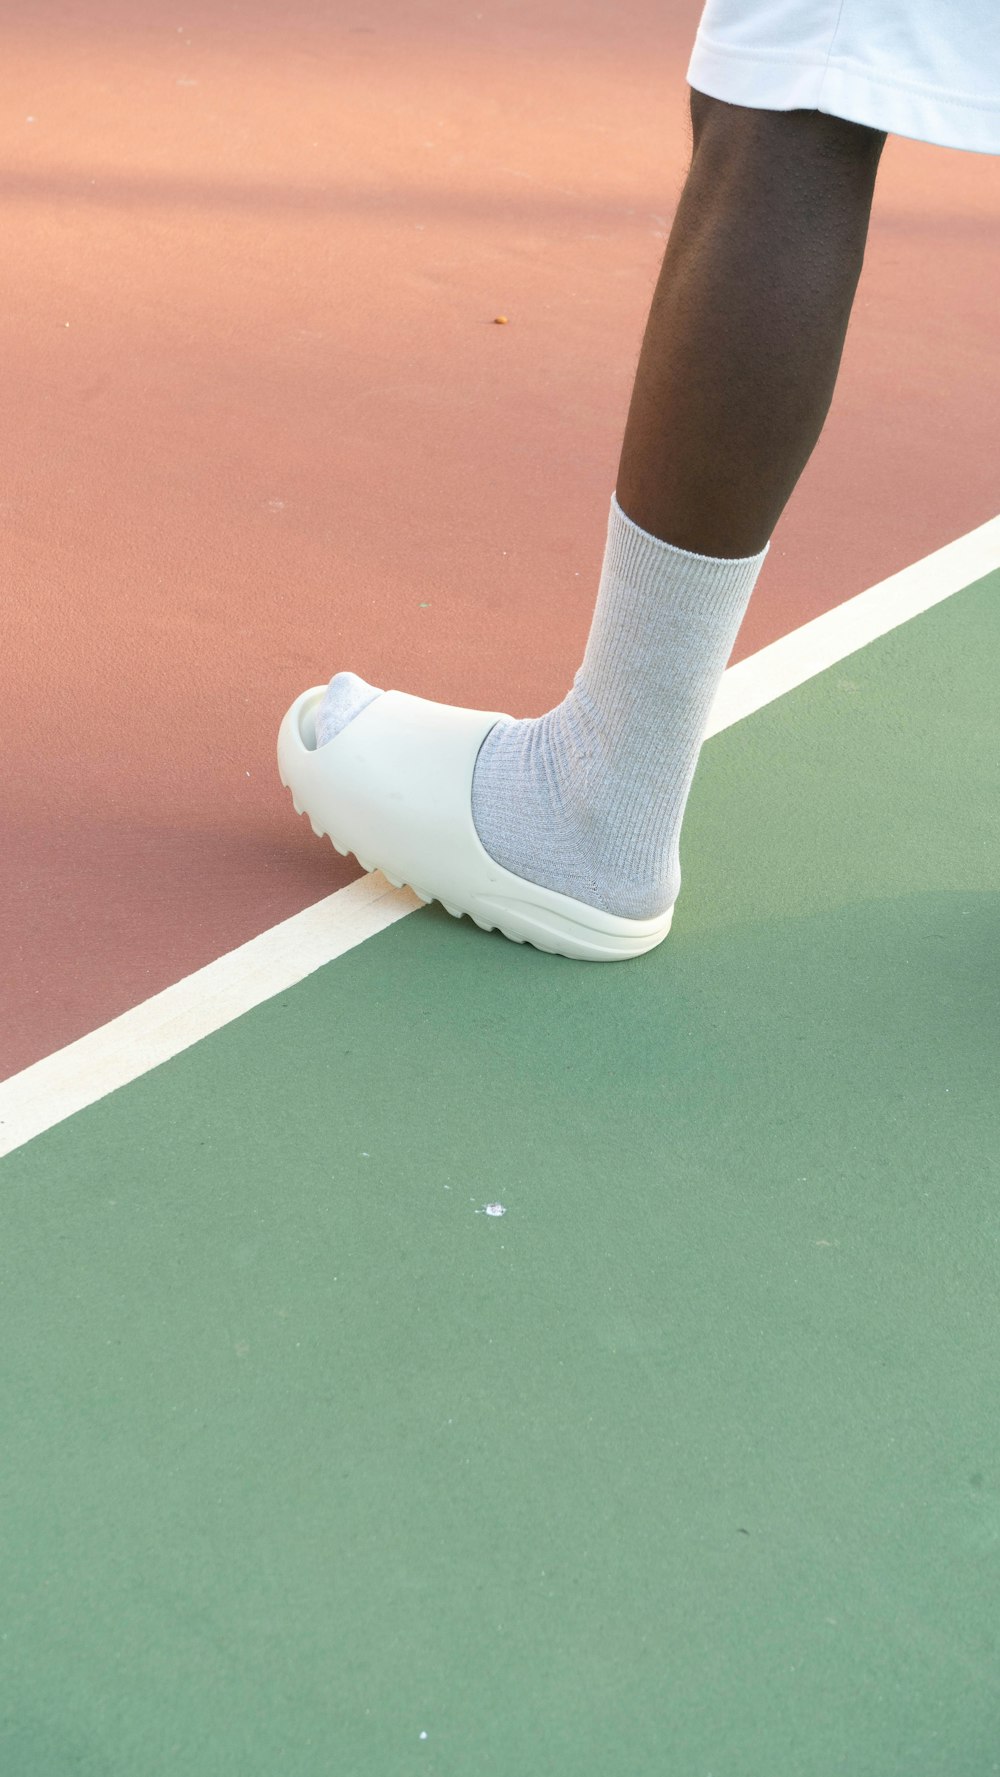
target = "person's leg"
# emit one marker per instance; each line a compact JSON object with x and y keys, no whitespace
{"x":747,"y":324}
{"x":735,"y":377}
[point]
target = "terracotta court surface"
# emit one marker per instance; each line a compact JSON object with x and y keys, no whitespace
{"x":423,"y":1354}
{"x":263,"y":427}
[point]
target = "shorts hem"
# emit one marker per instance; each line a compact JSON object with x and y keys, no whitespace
{"x":767,"y":80}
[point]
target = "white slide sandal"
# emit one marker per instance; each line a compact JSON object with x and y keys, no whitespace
{"x":395,"y":788}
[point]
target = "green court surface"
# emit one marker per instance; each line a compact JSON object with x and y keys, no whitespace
{"x":689,"y":1463}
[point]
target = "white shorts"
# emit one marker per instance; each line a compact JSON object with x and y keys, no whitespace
{"x":929,"y":69}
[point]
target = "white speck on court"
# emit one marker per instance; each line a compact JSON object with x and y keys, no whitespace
{"x":493,"y":1209}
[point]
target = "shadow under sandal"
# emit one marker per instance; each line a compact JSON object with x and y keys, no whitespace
{"x":395,"y":788}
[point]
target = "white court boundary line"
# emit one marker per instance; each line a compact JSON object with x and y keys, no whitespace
{"x":141,"y":1039}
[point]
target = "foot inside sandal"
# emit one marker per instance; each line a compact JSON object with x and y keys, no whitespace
{"x":395,"y":788}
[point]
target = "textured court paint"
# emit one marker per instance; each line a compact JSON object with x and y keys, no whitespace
{"x":689,"y":1463}
{"x":151,"y":1033}
{"x":161,"y":1027}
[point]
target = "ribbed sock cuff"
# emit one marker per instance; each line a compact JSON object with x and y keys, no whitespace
{"x":715,"y":586}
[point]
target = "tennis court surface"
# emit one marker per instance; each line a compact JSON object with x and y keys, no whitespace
{"x":688,"y":1460}
{"x":421,"y":1354}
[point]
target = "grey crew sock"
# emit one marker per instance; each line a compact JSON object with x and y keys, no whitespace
{"x":346,"y":697}
{"x":589,"y":799}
